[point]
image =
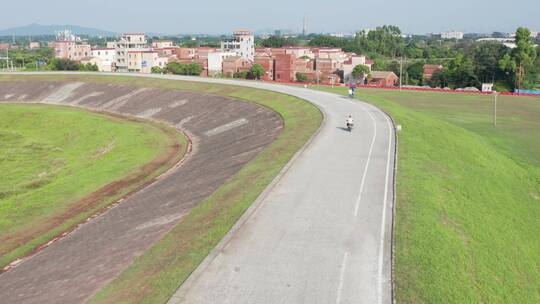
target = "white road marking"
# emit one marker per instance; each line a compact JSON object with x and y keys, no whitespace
{"x":342,"y":277}
{"x":357,"y":205}
{"x":62,"y":93}
{"x":149,"y":113}
{"x":81,"y":99}
{"x":227,"y":127}
{"x":383,"y":222}
{"x":183,"y":122}
{"x":178,"y":103}
{"x":118,"y":102}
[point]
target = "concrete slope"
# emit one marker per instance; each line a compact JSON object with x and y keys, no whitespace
{"x":226,"y":135}
{"x":323,"y":233}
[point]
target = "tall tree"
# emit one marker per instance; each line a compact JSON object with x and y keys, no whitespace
{"x":361,"y":71}
{"x":522,"y":59}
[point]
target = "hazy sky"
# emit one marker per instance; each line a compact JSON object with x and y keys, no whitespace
{"x":199,"y":16}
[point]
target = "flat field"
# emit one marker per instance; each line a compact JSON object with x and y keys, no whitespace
{"x":468,"y":205}
{"x":59,"y":165}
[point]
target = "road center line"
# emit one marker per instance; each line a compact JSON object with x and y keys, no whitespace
{"x":383,"y":222}
{"x":362,"y":183}
{"x":342,"y":277}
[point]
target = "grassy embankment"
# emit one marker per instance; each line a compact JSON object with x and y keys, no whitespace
{"x":155,"y":276}
{"x":468,"y":205}
{"x":55,"y":163}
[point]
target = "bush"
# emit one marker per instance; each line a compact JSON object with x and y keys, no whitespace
{"x":177,"y":68}
{"x":63,"y":64}
{"x":301,"y":77}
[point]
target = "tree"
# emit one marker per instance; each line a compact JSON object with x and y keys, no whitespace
{"x":63,"y":64}
{"x":157,"y":70}
{"x":459,"y":73}
{"x":361,"y":71}
{"x":415,"y":72}
{"x":300,"y":77}
{"x":88,"y":67}
{"x":257,"y":71}
{"x":177,"y":68}
{"x":524,"y":55}
{"x":520,"y":63}
{"x":486,"y":58}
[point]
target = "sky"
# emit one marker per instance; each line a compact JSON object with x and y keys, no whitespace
{"x":220,"y":17}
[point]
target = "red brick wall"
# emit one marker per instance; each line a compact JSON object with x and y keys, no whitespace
{"x":284,"y":68}
{"x":268,"y":65}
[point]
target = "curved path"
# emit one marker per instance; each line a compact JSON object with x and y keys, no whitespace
{"x":322,"y":231}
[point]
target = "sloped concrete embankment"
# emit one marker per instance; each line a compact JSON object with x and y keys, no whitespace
{"x":226,"y":134}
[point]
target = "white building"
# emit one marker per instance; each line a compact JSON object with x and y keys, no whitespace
{"x":106,"y":58}
{"x":452,"y":35}
{"x":129,"y":42}
{"x":161,"y":44}
{"x":215,"y":61}
{"x":243,"y":44}
{"x":348,"y":67}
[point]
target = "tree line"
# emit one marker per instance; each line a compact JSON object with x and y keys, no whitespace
{"x":466,"y":62}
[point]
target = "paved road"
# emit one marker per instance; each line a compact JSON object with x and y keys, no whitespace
{"x":323,"y":233}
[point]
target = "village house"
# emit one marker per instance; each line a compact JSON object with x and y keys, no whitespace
{"x":161,"y":44}
{"x":284,"y":68}
{"x":431,"y":69}
{"x":383,"y":79}
{"x":104,"y":59}
{"x":267,"y":63}
{"x":350,"y":64}
{"x":235,"y":64}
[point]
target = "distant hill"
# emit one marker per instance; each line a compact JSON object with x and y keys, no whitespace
{"x":39,"y":29}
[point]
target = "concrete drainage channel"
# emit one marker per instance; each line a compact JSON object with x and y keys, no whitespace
{"x":226,"y":134}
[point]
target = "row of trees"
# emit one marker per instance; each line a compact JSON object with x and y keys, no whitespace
{"x":177,"y":68}
{"x":62,"y":64}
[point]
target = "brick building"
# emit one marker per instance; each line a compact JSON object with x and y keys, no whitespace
{"x":284,"y":68}
{"x":383,"y":79}
{"x":267,"y":62}
{"x":430,"y":69}
{"x":236,"y":64}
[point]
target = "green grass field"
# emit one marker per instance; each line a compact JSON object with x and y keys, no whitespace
{"x":53,"y":157}
{"x":468,"y":205}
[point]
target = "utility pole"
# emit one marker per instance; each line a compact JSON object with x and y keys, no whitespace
{"x":401,"y":73}
{"x":495,"y":109}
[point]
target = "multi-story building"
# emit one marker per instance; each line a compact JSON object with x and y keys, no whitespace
{"x":106,"y":58}
{"x":284,"y":68}
{"x":349,"y":65}
{"x":130,"y":42}
{"x":215,"y":61}
{"x":160,"y":44}
{"x":243,"y":44}
{"x":141,"y":61}
{"x":452,"y":35}
{"x":71,"y":50}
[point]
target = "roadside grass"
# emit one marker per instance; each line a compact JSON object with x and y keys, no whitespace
{"x":468,"y":204}
{"x":53,"y":159}
{"x":155,"y":275}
